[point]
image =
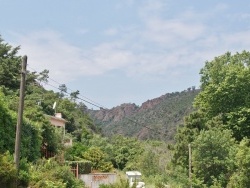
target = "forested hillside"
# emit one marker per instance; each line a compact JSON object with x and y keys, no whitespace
{"x":216,"y":129}
{"x":92,"y":151}
{"x":155,"y":119}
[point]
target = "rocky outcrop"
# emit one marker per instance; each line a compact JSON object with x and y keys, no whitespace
{"x":124,"y":110}
{"x":155,"y":118}
{"x":115,"y":114}
{"x":149,"y":104}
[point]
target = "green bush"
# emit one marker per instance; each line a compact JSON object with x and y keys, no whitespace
{"x":84,"y":166}
{"x":8,"y":173}
{"x":123,"y":183}
{"x":49,"y":173}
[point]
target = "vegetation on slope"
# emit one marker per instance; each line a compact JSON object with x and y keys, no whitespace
{"x":155,"y":119}
{"x":218,"y":131}
{"x":36,"y":129}
{"x":89,"y":148}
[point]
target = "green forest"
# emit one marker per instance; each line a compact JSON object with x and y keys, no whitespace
{"x":217,"y":131}
{"x":157,"y":122}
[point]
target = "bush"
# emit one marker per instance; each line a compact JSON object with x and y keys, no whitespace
{"x":123,"y":183}
{"x":49,"y":173}
{"x":84,"y":166}
{"x":8,"y":173}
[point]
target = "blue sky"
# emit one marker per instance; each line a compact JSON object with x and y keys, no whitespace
{"x":124,"y":51}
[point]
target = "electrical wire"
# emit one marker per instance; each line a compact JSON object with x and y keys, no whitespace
{"x":76,"y":96}
{"x":101,"y":108}
{"x":92,"y":102}
{"x":87,"y":100}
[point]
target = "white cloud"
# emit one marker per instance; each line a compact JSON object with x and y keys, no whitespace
{"x":109,"y":56}
{"x":49,"y":50}
{"x":172,"y":31}
{"x":156,"y":46}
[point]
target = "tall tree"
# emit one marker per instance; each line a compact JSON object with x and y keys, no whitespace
{"x":43,"y":76}
{"x":74,"y":95}
{"x":213,"y":156}
{"x":63,"y":90}
{"x":10,"y":64}
{"x":186,"y":134}
{"x":225,"y":97}
{"x":240,"y":178}
{"x":225,"y":84}
{"x":7,"y":129}
{"x":226,"y":91}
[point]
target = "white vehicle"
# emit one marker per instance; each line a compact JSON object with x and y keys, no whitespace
{"x":134,"y":177}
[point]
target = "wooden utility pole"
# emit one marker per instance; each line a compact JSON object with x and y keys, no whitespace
{"x":190,"y":165}
{"x":20,"y":114}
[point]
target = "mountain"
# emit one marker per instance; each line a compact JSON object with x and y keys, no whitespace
{"x":154,"y":119}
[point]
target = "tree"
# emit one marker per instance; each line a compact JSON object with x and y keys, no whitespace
{"x":50,"y":173}
{"x":43,"y":76}
{"x":222,"y":115}
{"x":63,"y":90}
{"x":74,"y":95}
{"x":98,"y":158}
{"x":124,"y":150}
{"x":10,"y":64}
{"x":186,"y":134}
{"x":8,"y":174}
{"x":7,"y":128}
{"x":240,"y":178}
{"x":213,"y":156}
{"x":149,"y":163}
{"x":75,"y":152}
{"x":225,"y":85}
{"x":226,"y":92}
{"x":239,"y":122}
{"x":31,"y":141}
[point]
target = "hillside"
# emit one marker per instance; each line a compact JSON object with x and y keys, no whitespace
{"x":154,"y":119}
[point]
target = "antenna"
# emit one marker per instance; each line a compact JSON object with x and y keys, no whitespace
{"x":54,"y":106}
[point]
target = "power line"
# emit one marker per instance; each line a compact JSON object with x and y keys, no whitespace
{"x":153,"y":130}
{"x":89,"y":101}
{"x":76,"y":97}
{"x":92,"y":102}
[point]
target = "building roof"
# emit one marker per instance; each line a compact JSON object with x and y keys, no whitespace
{"x":133,"y":173}
{"x":57,"y":117}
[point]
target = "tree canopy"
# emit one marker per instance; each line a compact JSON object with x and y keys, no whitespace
{"x":220,"y":122}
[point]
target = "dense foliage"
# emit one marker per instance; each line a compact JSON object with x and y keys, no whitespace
{"x":37,"y":132}
{"x":217,"y":130}
{"x":92,"y":151}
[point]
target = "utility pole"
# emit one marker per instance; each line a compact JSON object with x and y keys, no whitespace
{"x":20,"y":114}
{"x":190,"y":164}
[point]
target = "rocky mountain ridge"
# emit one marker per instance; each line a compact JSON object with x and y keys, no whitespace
{"x":117,"y":113}
{"x":163,"y":113}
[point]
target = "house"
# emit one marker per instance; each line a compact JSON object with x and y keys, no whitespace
{"x":59,"y":122}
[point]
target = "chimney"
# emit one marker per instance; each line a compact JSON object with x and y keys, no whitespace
{"x":58,"y":115}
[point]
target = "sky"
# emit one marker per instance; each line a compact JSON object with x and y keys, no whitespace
{"x":124,"y":51}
